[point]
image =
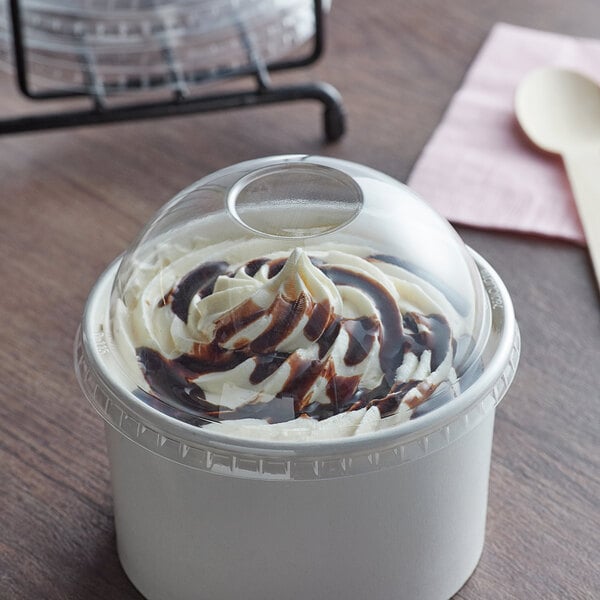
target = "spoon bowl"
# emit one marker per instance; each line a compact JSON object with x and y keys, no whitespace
{"x":558,"y":109}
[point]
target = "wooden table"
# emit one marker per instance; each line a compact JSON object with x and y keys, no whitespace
{"x":70,"y":201}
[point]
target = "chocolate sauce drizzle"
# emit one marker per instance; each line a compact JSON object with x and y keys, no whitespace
{"x":200,"y":281}
{"x":172,"y":380}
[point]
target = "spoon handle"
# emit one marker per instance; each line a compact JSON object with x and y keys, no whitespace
{"x":583,"y":168}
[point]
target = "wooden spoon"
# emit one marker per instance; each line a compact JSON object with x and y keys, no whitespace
{"x":559,"y":110}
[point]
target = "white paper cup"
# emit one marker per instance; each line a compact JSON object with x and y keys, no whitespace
{"x":395,"y":514}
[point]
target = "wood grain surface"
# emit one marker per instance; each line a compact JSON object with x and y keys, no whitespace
{"x":70,"y":201}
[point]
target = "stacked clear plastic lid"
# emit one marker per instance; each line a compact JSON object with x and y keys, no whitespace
{"x":296,"y":299}
{"x":120,"y":45}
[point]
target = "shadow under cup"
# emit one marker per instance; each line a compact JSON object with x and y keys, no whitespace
{"x":395,"y":513}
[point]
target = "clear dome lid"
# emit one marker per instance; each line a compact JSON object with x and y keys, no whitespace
{"x":298,"y":297}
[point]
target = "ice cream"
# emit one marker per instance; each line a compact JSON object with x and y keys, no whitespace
{"x":319,"y":342}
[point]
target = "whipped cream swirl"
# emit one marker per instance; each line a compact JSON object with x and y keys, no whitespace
{"x":318,"y":343}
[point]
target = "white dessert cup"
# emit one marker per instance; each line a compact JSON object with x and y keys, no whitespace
{"x":395,"y":514}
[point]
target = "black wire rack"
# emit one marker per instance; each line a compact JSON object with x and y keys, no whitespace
{"x":179,"y":100}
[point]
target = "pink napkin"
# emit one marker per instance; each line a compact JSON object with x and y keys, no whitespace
{"x":478,"y":168}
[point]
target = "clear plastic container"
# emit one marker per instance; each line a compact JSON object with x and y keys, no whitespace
{"x":298,"y":362}
{"x":92,"y":44}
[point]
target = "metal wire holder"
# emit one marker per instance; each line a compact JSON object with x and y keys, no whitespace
{"x":181,"y":100}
